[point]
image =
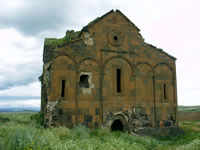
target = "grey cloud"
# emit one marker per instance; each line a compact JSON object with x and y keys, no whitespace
{"x":41,"y":18}
{"x":22,"y":74}
{"x":36,"y":16}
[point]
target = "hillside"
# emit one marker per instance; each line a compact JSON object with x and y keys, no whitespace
{"x":189,"y":113}
{"x":189,"y":108}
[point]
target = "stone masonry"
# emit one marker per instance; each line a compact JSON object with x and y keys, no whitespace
{"x":106,"y":76}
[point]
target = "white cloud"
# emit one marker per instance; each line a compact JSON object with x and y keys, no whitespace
{"x":16,"y":48}
{"x":32,"y":89}
{"x":21,"y":59}
{"x":34,"y":103}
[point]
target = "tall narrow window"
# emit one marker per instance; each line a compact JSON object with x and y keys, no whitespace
{"x":118,"y":73}
{"x":63,"y":89}
{"x":164,"y":91}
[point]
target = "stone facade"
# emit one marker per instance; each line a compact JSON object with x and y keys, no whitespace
{"x":106,"y":75}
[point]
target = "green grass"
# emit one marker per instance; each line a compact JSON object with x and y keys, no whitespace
{"x":189,"y":108}
{"x":191,"y":138}
{"x":20,"y":132}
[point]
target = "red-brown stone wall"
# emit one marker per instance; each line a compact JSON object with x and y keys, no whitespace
{"x":115,"y":43}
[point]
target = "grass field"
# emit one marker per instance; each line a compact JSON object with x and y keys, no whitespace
{"x":189,"y":109}
{"x":19,"y":132}
{"x":189,"y":113}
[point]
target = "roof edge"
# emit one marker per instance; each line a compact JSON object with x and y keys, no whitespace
{"x":118,"y":11}
{"x":161,"y":51}
{"x":85,"y":28}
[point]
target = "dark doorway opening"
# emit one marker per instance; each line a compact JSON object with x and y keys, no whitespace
{"x":117,"y":126}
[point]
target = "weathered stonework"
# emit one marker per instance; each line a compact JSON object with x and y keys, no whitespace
{"x":106,"y":75}
{"x":160,"y":132}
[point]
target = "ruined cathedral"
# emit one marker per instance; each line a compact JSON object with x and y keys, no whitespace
{"x":106,"y":75}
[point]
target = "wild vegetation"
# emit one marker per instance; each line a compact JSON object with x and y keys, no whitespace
{"x":22,"y":131}
{"x":70,"y":36}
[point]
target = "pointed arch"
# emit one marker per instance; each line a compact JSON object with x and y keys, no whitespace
{"x":67,"y":56}
{"x":143,"y":63}
{"x":64,"y":57}
{"x":115,"y":57}
{"x":164,"y":90}
{"x":63,"y":73}
{"x":90,"y":59}
{"x":144,"y":83}
{"x":164,"y":64}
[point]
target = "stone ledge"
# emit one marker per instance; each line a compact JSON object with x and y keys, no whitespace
{"x":160,"y":132}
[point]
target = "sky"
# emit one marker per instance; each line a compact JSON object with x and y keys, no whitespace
{"x":173,"y":25}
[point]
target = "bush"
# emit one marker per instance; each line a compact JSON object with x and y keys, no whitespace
{"x":38,"y":118}
{"x":4,"y":119}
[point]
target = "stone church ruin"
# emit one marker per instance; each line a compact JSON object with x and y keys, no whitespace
{"x":107,"y":76}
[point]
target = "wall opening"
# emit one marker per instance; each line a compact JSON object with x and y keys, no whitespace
{"x":117,"y":126}
{"x":118,"y":73}
{"x":63,"y":88}
{"x":115,"y":38}
{"x":84,"y":81}
{"x":164,"y":91}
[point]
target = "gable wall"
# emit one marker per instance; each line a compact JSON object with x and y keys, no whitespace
{"x":144,"y":71}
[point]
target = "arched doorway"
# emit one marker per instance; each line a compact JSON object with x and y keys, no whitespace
{"x":117,"y":125}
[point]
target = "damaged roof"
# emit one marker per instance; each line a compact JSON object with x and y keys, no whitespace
{"x":72,"y":35}
{"x":100,"y":18}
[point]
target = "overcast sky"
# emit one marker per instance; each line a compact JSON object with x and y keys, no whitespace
{"x":173,"y":25}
